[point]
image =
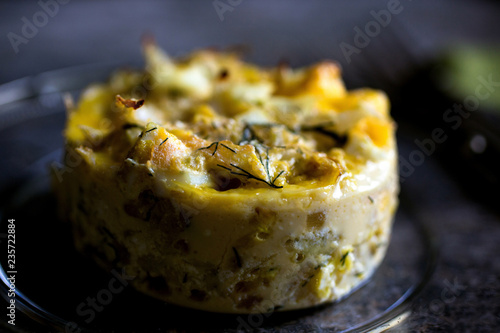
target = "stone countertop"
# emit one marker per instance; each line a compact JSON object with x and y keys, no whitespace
{"x":464,"y":292}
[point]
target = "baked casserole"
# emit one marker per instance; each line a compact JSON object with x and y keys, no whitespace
{"x":227,"y":187}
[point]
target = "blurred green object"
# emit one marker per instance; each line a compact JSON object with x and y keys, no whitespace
{"x":462,"y":68}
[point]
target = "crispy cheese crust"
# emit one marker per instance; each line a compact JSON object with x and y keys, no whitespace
{"x":231,"y":188}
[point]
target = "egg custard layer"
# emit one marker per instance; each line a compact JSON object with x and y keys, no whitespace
{"x":231,"y":188}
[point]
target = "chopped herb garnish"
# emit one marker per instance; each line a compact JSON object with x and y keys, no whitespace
{"x":250,"y":135}
{"x":223,"y":145}
{"x":128,"y":126}
{"x":323,"y":129}
{"x":216,"y":143}
{"x":208,"y":147}
{"x":237,"y":256}
{"x":266,"y":166}
{"x":250,"y":176}
{"x":106,"y":230}
{"x":224,"y":167}
{"x":259,"y":155}
{"x":163,"y":141}
{"x":307,"y":280}
{"x":247,"y":134}
{"x":344,"y":257}
{"x":149,"y":130}
{"x":279,"y":174}
{"x":267,"y":163}
{"x":371,"y":199}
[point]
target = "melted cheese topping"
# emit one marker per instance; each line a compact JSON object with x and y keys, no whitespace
{"x":215,"y":122}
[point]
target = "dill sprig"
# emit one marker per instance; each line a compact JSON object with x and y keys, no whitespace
{"x":130,"y":125}
{"x":279,"y":174}
{"x":323,"y":129}
{"x":237,"y":256}
{"x":217,"y":143}
{"x":231,"y":149}
{"x":144,"y":132}
{"x":250,"y":135}
{"x":248,"y":175}
{"x":307,"y":280}
{"x":163,"y":141}
{"x":344,"y":257}
{"x":224,"y":167}
{"x":266,"y":164}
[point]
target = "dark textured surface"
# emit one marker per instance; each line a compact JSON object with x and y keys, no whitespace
{"x":464,"y":293}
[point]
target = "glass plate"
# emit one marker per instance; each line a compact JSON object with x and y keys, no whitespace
{"x":59,"y":289}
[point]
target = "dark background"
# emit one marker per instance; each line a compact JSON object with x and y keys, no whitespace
{"x":83,"y":32}
{"x":447,"y":191}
